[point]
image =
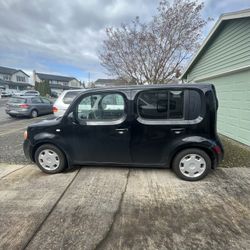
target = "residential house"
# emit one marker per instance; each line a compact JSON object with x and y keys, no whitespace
{"x":224,"y":60}
{"x":57,"y":83}
{"x":13,"y":79}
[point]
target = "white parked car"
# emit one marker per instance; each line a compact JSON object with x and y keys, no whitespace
{"x":29,"y":93}
{"x":64,"y":100}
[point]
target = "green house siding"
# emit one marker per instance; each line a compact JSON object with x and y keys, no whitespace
{"x":227,"y":51}
{"x":233,"y":92}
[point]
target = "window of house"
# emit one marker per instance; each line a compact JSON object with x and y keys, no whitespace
{"x":6,"y":77}
{"x":161,"y":104}
{"x":20,"y":78}
{"x":101,"y":107}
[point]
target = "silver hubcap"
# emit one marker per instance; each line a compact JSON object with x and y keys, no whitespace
{"x":34,"y":113}
{"x":49,"y":159}
{"x":192,"y":165}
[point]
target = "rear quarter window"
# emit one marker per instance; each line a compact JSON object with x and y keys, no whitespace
{"x":18,"y":100}
{"x":70,"y":96}
{"x":161,"y":104}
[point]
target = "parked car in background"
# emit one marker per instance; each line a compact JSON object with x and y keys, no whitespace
{"x":29,"y":93}
{"x":6,"y":93}
{"x":31,"y":106}
{"x":64,"y":100}
{"x":169,"y":126}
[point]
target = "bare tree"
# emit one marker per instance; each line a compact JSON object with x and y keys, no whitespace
{"x":152,"y":52}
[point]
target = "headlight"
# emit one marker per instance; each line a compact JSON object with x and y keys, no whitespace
{"x":25,"y":135}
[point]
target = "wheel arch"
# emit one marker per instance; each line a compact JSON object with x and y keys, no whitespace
{"x":207,"y":150}
{"x":67,"y":158}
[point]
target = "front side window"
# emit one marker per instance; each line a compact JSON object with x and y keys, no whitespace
{"x":161,"y":104}
{"x":101,"y":107}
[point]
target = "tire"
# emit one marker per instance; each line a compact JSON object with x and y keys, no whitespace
{"x":33,"y":113}
{"x":50,"y":159}
{"x":191,"y":164}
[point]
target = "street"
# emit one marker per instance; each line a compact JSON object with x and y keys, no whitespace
{"x":116,"y":208}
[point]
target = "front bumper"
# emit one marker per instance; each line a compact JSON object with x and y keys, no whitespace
{"x":28,"y":149}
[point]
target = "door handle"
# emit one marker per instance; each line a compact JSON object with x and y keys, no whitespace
{"x":177,"y":131}
{"x":121,"y":130}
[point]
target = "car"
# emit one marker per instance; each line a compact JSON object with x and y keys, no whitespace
{"x":168,"y":126}
{"x":6,"y":94}
{"x":64,"y":100}
{"x":29,"y":93}
{"x":31,"y":106}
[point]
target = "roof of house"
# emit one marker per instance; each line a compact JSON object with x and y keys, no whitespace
{"x":10,"y":71}
{"x":223,"y":18}
{"x":43,"y":76}
{"x":111,"y":82}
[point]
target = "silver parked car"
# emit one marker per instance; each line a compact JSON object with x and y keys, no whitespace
{"x":30,"y":106}
{"x":64,"y":100}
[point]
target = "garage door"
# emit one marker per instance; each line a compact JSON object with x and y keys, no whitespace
{"x":234,"y":105}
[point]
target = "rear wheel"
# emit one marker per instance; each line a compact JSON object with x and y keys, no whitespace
{"x":191,"y":164}
{"x":50,"y":159}
{"x":33,"y":113}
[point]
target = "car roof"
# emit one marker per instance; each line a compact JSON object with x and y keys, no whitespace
{"x":153,"y":86}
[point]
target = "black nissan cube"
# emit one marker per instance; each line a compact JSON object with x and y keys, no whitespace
{"x":168,"y":126}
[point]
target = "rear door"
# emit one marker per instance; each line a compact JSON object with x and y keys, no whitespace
{"x":158,"y":123}
{"x":47,"y":105}
{"x":38,"y":104}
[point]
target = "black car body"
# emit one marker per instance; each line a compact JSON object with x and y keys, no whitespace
{"x":149,"y":126}
{"x":30,"y":106}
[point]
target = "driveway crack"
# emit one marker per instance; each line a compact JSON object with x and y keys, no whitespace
{"x":115,"y":216}
{"x":50,"y":212}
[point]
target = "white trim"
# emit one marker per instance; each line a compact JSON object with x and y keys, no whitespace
{"x":222,"y":73}
{"x":223,"y":17}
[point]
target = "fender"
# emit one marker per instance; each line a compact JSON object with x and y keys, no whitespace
{"x":50,"y":138}
{"x":192,"y":142}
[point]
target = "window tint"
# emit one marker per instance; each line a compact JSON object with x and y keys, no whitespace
{"x":96,"y":107}
{"x":18,"y":100}
{"x":70,"y":96}
{"x":36,"y":100}
{"x":46,"y":101}
{"x":161,"y":104}
{"x":194,"y":104}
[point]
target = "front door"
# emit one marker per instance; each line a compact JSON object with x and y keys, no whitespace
{"x":99,"y":131}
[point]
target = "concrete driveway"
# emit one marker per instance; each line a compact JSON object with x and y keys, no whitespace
{"x":120,"y":208}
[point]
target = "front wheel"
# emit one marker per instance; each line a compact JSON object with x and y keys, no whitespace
{"x":191,"y":164}
{"x":50,"y":159}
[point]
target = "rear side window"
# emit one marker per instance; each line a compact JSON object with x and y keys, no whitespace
{"x":36,"y":100}
{"x":70,"y":96}
{"x":161,"y":104}
{"x":18,"y":100}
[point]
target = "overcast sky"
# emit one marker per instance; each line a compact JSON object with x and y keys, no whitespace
{"x":63,"y":37}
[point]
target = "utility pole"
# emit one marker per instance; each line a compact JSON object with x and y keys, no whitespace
{"x":89,"y":77}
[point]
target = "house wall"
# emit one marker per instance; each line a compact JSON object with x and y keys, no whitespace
{"x":233,"y":91}
{"x":19,"y":74}
{"x":228,"y":51}
{"x":5,"y":77}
